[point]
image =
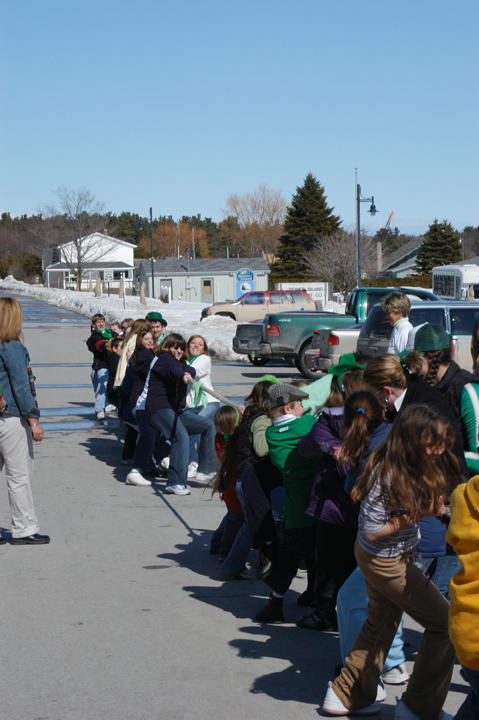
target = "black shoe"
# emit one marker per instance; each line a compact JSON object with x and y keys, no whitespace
{"x":35,"y":539}
{"x":272,"y":611}
{"x":2,"y":541}
{"x":319,"y":622}
{"x":307,"y":599}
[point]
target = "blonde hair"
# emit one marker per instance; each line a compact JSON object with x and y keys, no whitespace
{"x":10,"y":319}
{"x":396,"y":302}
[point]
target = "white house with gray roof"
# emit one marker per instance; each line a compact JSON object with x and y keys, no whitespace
{"x":101,"y":256}
{"x":203,"y":279}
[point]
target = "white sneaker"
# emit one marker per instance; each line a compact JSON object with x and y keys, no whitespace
{"x":135,"y":477}
{"x":110,"y":408}
{"x":333,"y":705}
{"x":177,"y":489}
{"x":100,"y":415}
{"x":192,"y":468}
{"x":205,"y":477}
{"x":381,"y":694}
{"x":397,"y":675}
{"x":402,"y":712}
{"x":165,"y":463}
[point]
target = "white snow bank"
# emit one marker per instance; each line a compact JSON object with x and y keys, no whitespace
{"x":182,"y":317}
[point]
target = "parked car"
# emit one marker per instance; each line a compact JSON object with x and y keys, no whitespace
{"x":456,"y":317}
{"x":289,"y":335}
{"x":254,"y":305}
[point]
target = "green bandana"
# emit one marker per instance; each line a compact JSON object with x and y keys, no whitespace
{"x":199,"y":395}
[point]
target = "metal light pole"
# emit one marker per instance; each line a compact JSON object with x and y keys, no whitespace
{"x":372,"y":210}
{"x":151,"y":251}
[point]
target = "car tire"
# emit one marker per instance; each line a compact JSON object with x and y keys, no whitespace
{"x":310,"y":374}
{"x":257,"y":361}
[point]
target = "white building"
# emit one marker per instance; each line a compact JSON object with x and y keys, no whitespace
{"x":101,"y":256}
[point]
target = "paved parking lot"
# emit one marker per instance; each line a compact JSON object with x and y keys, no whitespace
{"x":123,"y":616}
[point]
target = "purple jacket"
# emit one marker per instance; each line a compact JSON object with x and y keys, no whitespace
{"x":329,"y":502}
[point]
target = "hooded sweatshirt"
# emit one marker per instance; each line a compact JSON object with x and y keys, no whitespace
{"x":463,"y":535}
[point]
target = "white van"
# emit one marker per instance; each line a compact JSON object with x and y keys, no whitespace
{"x":457,"y":282}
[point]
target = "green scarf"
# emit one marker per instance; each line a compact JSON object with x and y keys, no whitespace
{"x":199,"y":397}
{"x":106,"y":333}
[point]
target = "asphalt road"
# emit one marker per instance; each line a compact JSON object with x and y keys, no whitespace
{"x":123,"y":616}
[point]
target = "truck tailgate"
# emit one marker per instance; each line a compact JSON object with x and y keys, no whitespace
{"x":248,"y":338}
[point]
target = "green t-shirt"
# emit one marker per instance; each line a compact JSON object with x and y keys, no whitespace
{"x":296,"y":470}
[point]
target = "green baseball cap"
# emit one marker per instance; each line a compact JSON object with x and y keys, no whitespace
{"x":431,"y":337}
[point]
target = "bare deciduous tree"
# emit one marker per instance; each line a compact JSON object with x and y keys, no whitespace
{"x":260,"y":215}
{"x":334,"y":259}
{"x":76,"y":218}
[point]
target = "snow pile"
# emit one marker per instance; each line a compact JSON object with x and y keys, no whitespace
{"x":182,"y":317}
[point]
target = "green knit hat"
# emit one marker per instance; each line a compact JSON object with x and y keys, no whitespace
{"x":431,"y":337}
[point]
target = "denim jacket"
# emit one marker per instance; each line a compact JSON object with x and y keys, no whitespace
{"x":17,"y":383}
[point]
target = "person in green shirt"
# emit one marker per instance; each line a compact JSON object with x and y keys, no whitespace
{"x":297,"y":536}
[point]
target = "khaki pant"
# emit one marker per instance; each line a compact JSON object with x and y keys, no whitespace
{"x":395,"y":585}
{"x":16,"y":454}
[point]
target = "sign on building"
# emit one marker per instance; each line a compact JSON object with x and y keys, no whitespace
{"x":244,"y":281}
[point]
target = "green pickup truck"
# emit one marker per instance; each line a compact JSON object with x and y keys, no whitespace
{"x":288,"y":335}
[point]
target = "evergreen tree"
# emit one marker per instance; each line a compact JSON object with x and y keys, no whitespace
{"x":441,"y":246}
{"x":308,"y":219}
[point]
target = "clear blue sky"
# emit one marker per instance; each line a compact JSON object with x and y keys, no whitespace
{"x":179,"y":104}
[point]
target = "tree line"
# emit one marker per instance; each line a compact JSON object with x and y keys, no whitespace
{"x":302,"y":241}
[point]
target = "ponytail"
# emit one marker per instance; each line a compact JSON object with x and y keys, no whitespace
{"x":362,"y":415}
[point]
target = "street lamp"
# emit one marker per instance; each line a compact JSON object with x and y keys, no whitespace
{"x":372,"y":210}
{"x":140,"y":227}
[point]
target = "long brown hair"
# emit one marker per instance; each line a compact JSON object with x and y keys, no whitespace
{"x":139,"y":343}
{"x":226,"y":420}
{"x":392,"y":370}
{"x":410,"y":482}
{"x":10,"y":319}
{"x":362,"y":415}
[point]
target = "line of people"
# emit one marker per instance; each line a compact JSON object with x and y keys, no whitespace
{"x":161,"y":386}
{"x":349,"y":478}
{"x":365,"y":485}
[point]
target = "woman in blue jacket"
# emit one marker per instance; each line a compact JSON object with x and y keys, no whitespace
{"x":19,"y":425}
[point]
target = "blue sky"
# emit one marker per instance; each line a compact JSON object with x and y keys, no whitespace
{"x":177,"y":105}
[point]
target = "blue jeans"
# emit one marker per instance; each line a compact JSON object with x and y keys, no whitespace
{"x":469,"y":709}
{"x":445,"y":567}
{"x":177,"y":428}
{"x":99,"y":379}
{"x":143,"y":455}
{"x":205,"y":412}
{"x":238,"y":555}
{"x":224,"y":536}
{"x":352,"y":609}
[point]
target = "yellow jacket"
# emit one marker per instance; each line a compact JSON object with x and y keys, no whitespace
{"x":463,"y":535}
